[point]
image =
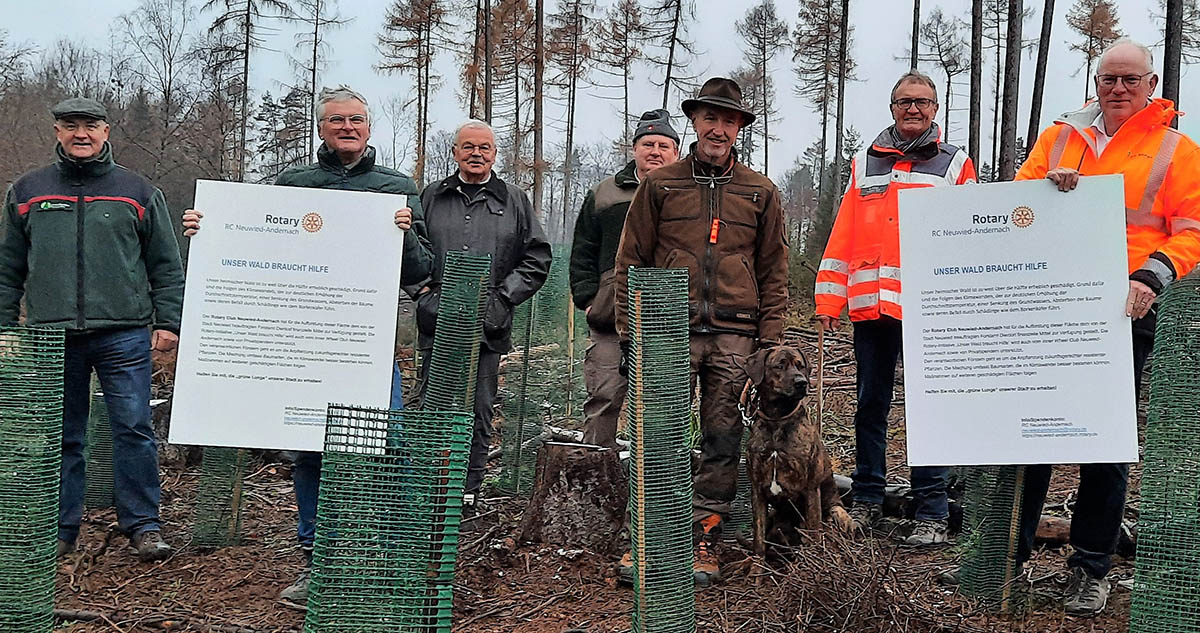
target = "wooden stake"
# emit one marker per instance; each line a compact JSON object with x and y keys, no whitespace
{"x":820,"y":376}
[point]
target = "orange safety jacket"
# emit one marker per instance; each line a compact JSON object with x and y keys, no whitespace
{"x":1162,"y":182}
{"x":861,"y":265}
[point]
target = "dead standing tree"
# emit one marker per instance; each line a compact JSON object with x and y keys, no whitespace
{"x":1177,"y":14}
{"x":408,"y":44}
{"x":1039,"y":74}
{"x":942,"y":37}
{"x":618,"y":47}
{"x":512,"y":35}
{"x":316,"y":17}
{"x":1097,"y":22}
{"x":764,"y":35}
{"x":914,"y":51}
{"x":667,"y":25}
{"x":995,"y":26}
{"x":843,"y":52}
{"x":976,"y":79}
{"x":1012,"y":83}
{"x":242,"y":22}
{"x":570,"y":46}
{"x":817,"y":66}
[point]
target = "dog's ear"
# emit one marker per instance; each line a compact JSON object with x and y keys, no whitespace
{"x":756,"y":366}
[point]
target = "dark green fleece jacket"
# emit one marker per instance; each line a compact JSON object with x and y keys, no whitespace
{"x":91,"y":246}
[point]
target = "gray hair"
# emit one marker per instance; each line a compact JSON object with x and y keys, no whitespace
{"x":472,"y":123}
{"x":917,"y":77}
{"x":1125,"y":41}
{"x":341,"y":93}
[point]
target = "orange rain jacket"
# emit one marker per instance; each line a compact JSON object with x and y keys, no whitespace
{"x":861,"y":265}
{"x":1162,"y":183}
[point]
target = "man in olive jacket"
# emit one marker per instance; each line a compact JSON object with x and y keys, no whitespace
{"x":593,"y":253}
{"x":91,"y":247}
{"x":723,"y":222}
{"x":345,"y":161}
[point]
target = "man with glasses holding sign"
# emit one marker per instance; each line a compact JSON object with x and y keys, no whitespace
{"x":861,"y":270}
{"x":1125,"y":132}
{"x":344,"y":161}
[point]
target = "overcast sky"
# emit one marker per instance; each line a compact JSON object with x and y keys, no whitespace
{"x":882,"y":32}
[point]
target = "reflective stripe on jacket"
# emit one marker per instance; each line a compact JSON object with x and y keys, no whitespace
{"x":1161,"y":167}
{"x":861,"y":265}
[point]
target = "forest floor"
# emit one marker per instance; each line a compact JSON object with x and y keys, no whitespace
{"x":502,"y":585}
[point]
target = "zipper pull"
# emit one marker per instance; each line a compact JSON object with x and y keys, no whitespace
{"x":712,"y":232}
{"x":712,"y":184}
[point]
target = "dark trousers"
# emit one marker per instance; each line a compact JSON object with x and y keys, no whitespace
{"x":306,"y":475}
{"x":717,"y":363}
{"x":606,"y":389}
{"x":1100,"y":503}
{"x":486,"y":378}
{"x":121,"y":359}
{"x":877,"y":346}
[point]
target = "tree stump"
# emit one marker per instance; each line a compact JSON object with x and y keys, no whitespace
{"x":579,"y":499}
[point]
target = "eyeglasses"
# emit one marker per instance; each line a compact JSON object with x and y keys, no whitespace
{"x":922,"y":104}
{"x":1130,"y":81}
{"x":356,"y":120}
{"x":470,"y":148}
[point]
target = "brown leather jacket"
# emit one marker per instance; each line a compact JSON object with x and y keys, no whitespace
{"x":738,"y":281}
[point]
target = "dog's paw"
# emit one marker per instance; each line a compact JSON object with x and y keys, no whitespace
{"x":841,"y":519}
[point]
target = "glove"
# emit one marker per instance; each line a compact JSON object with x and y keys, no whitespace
{"x":623,"y":364}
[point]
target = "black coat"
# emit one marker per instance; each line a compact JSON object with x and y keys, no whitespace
{"x":498,"y":221}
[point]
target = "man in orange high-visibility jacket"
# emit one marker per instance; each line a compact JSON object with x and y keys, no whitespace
{"x":861,"y":268}
{"x":1123,"y":132}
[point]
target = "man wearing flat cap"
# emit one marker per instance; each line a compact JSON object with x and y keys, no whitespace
{"x":593,"y":254}
{"x":722,"y":221}
{"x":91,"y":248}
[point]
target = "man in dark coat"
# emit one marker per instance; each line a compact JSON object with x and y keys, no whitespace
{"x":474,"y":211}
{"x":593,"y":253}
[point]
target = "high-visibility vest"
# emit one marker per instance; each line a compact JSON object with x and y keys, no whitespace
{"x":861,"y":265}
{"x":1161,"y":167}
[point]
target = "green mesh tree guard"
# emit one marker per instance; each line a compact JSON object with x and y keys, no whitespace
{"x":1166,"y":596}
{"x":543,"y":377}
{"x":98,"y":491}
{"x":991,"y":523}
{"x":217,"y":518}
{"x":31,"y":399}
{"x":387,"y":521}
{"x":450,"y":385}
{"x":660,"y":485}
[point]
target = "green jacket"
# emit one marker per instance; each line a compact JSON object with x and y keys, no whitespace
{"x":594,"y":248}
{"x":329,"y":173}
{"x":91,"y":246}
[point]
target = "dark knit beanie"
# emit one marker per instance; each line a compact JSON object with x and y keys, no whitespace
{"x":656,"y":122}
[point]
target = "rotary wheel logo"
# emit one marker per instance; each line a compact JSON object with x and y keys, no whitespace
{"x":312,"y":222}
{"x":1022,"y":217}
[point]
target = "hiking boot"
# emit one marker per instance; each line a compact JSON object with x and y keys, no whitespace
{"x":706,"y":569}
{"x":149,"y":546}
{"x":64,"y":548}
{"x":625,"y":569}
{"x":927,"y":532}
{"x":864,"y":516}
{"x":297,"y":592}
{"x":1086,"y":596}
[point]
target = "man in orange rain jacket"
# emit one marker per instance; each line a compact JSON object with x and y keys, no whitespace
{"x":861,"y":268}
{"x":1123,"y":132}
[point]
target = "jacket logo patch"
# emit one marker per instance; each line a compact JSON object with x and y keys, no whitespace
{"x":52,"y":205}
{"x":870,"y":191}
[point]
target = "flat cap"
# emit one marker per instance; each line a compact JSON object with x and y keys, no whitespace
{"x":79,"y":106}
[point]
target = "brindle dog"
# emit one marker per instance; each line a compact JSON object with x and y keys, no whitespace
{"x":788,"y":466}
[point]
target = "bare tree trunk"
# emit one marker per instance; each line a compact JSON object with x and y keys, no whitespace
{"x":1012,"y":78}
{"x":625,"y":122}
{"x":844,"y":30}
{"x":824,"y":111}
{"x":246,"y":41}
{"x":671,"y":52}
{"x":1172,"y":50}
{"x":312,"y":85}
{"x":1039,"y":75}
{"x":916,"y":31}
{"x":976,"y":79}
{"x":473,"y":93}
{"x":996,"y":103}
{"x":539,"y":67}
{"x":487,"y":61}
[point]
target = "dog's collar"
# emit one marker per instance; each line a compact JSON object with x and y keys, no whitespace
{"x":748,"y":404}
